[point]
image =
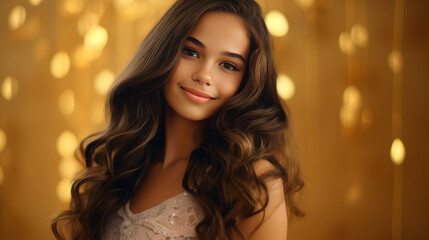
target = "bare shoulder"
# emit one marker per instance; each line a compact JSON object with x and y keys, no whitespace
{"x":274,"y":223}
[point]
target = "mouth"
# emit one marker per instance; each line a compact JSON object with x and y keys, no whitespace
{"x":196,"y":95}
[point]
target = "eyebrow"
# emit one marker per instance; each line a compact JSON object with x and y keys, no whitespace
{"x":230,"y":54}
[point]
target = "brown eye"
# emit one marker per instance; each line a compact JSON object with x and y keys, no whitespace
{"x":190,"y":52}
{"x":229,"y":66}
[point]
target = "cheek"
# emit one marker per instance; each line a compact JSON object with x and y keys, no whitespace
{"x":179,"y":71}
{"x":230,"y":87}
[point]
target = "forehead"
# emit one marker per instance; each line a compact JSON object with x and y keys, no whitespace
{"x":221,"y":31}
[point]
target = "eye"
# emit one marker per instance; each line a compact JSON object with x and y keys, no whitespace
{"x":229,"y":66}
{"x":190,"y":52}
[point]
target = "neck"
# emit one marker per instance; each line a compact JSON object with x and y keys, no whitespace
{"x":179,"y":138}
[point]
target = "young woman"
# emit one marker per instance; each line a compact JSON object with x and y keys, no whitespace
{"x":197,"y":143}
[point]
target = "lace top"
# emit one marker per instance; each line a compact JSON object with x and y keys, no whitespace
{"x":173,"y":219}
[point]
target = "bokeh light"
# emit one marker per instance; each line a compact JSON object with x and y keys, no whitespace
{"x":348,"y":117}
{"x":66,"y":102}
{"x":346,"y":44}
{"x":95,"y":38}
{"x":3,"y":140}
{"x":352,"y":102}
{"x":285,"y":86}
{"x":35,"y":2}
{"x":277,"y":23}
{"x":352,"y":97}
{"x":86,"y":22}
{"x":394,"y":60}
{"x":63,"y":190}
{"x":66,"y":144}
{"x":397,"y":151}
{"x":68,"y":168}
{"x":359,"y":35}
{"x":103,"y":81}
{"x":17,"y":17}
{"x":60,"y":64}
{"x":9,"y":88}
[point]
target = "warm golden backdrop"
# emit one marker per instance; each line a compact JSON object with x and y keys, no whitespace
{"x":354,"y":73}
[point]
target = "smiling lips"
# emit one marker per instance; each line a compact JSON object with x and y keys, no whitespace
{"x":196,"y":96}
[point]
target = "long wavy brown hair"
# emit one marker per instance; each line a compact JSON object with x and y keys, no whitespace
{"x":252,"y":125}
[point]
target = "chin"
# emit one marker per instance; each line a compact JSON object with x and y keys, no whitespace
{"x":195,"y":117}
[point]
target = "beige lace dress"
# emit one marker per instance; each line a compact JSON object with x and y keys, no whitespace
{"x":173,"y":219}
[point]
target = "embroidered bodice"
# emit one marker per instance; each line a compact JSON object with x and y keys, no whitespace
{"x":173,"y":219}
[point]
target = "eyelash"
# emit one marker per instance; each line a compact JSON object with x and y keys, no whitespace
{"x":229,"y":66}
{"x":189,"y":51}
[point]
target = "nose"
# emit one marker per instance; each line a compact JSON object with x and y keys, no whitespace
{"x":202,"y":76}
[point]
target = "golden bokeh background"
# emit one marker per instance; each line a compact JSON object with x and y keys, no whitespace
{"x":353,"y":72}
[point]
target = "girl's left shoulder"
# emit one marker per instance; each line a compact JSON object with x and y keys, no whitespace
{"x":274,"y":220}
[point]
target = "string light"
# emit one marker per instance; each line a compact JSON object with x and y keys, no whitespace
{"x":358,"y":35}
{"x":397,"y":149}
{"x":349,"y":41}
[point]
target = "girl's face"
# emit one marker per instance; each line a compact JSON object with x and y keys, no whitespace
{"x":211,"y":67}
